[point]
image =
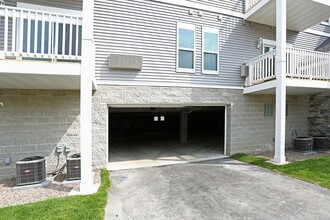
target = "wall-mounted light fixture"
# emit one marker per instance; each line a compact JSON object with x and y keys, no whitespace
{"x":190,"y":12}
{"x":220,"y":17}
{"x":200,"y":13}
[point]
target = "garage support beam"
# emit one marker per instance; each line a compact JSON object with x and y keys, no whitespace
{"x":184,"y":127}
{"x":280,"y":81}
{"x":87,"y":71}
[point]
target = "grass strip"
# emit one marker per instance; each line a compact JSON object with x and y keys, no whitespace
{"x":313,"y":170}
{"x":72,"y":207}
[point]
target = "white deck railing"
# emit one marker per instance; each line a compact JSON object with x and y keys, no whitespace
{"x":261,"y":68}
{"x":250,"y":4}
{"x":307,"y":64}
{"x":300,"y":64}
{"x":37,"y":34}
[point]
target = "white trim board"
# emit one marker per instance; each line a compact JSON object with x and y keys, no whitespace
{"x":202,"y":7}
{"x":320,"y":33}
{"x":40,"y":67}
{"x":166,"y":105}
{"x":49,"y":9}
{"x":160,"y":84}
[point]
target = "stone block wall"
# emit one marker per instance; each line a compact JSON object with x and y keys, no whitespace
{"x":34,"y":122}
{"x":248,"y":130}
{"x":320,"y":114}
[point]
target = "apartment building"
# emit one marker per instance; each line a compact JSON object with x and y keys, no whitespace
{"x":129,"y":79}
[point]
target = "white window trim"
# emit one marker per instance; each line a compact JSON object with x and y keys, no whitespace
{"x":213,"y":31}
{"x":188,"y":27}
{"x":49,"y":9}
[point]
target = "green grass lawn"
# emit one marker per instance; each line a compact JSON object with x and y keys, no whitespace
{"x":72,"y":207}
{"x":313,"y":170}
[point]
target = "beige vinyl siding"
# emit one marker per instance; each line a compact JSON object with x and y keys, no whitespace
{"x":232,"y":5}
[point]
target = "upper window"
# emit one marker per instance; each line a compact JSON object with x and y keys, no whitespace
{"x":186,"y":48}
{"x":210,"y":50}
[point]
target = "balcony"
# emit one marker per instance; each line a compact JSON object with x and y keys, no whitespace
{"x":307,"y":72}
{"x":39,"y":49}
{"x":301,"y":14}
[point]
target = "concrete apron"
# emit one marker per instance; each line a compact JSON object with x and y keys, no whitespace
{"x":131,"y":156}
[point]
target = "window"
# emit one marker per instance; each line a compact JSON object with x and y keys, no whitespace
{"x":185,"y":48}
{"x":268,"y":110}
{"x":210,"y":50}
{"x":269,"y":45}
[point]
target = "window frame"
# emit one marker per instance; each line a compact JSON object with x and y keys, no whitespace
{"x":271,"y":44}
{"x":186,"y":26}
{"x":212,"y":31}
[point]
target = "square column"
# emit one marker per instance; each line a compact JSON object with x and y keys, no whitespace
{"x":184,"y":127}
{"x":87,"y":71}
{"x":280,"y":81}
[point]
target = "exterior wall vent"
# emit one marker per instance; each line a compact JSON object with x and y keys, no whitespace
{"x":125,"y":62}
{"x":244,"y":71}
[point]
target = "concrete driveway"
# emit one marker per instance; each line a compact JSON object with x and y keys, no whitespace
{"x":218,"y":189}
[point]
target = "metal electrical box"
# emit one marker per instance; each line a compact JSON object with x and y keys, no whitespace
{"x":244,"y":71}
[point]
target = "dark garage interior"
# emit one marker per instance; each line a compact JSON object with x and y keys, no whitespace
{"x":156,"y":133}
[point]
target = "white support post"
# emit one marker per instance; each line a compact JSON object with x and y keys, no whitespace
{"x":87,"y":70}
{"x":184,"y":127}
{"x":280,"y":81}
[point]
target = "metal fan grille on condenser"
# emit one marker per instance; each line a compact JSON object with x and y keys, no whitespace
{"x":303,"y":144}
{"x":73,"y":167}
{"x":30,"y":170}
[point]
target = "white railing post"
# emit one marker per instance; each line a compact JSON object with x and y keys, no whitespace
{"x":35,"y":34}
{"x":43,"y":32}
{"x":21,"y":19}
{"x":70,"y":38}
{"x":28,"y":33}
{"x":50,"y":37}
{"x":14,"y":37}
{"x":251,"y":74}
{"x":77,"y":37}
{"x":63,"y":37}
{"x":6,"y":32}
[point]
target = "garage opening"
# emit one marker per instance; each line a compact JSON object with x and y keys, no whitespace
{"x":142,"y":137}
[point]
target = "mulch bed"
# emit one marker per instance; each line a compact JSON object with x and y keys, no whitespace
{"x":10,"y":197}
